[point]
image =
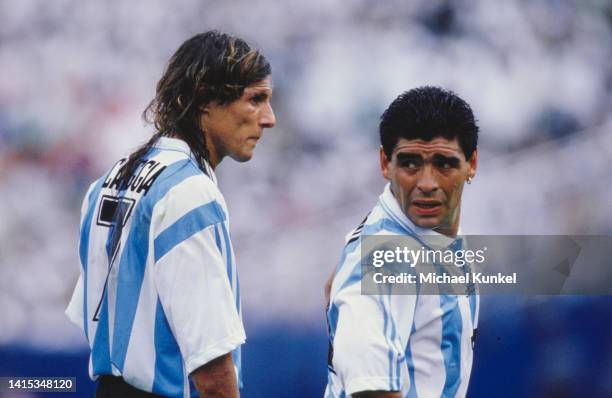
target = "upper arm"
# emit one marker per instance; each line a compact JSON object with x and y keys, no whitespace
{"x":370,"y":340}
{"x":217,"y":378}
{"x":192,"y":277}
{"x":74,"y":311}
{"x":328,"y":286}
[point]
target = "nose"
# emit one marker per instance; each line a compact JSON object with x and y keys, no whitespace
{"x":268,"y":120}
{"x":427,"y":182}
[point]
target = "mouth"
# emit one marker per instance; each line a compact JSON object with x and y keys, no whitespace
{"x":253,"y":140}
{"x":427,"y":207}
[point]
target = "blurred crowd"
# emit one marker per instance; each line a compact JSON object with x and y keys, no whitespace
{"x":77,"y":75}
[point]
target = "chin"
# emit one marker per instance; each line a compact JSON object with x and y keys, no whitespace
{"x":242,"y":157}
{"x":428,"y":223}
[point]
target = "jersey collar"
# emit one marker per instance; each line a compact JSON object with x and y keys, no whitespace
{"x":176,"y":144}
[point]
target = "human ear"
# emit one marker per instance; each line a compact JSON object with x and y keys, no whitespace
{"x":472,"y":164}
{"x":384,"y":164}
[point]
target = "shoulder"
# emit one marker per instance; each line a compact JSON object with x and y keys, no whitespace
{"x":182,"y":188}
{"x":191,"y":192}
{"x":376,"y":223}
{"x":376,"y":231}
{"x":348,"y":270}
{"x":180,"y":178}
{"x":90,"y":190}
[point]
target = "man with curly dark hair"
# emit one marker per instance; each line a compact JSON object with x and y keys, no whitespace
{"x":158,"y":297}
{"x":411,"y":345}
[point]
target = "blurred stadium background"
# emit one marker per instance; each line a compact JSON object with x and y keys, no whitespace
{"x":538,"y":73}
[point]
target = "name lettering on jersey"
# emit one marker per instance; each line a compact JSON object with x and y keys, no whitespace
{"x":139,"y":182}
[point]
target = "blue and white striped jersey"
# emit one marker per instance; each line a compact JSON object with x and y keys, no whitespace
{"x":158,"y":293}
{"x":420,"y":345}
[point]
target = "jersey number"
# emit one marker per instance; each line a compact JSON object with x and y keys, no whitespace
{"x":114,"y":213}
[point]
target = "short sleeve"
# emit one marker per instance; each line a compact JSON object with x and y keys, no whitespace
{"x":370,"y":339}
{"x":74,"y":311}
{"x":192,"y":281}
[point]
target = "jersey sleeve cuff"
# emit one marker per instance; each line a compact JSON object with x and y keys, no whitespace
{"x":216,"y":350}
{"x":74,"y":317}
{"x":360,"y":384}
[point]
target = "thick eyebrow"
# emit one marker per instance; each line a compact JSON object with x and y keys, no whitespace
{"x":404,"y":156}
{"x":259,"y":92}
{"x":452,"y":160}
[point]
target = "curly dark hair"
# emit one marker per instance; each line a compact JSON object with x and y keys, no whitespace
{"x":209,"y":67}
{"x":426,"y":113}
